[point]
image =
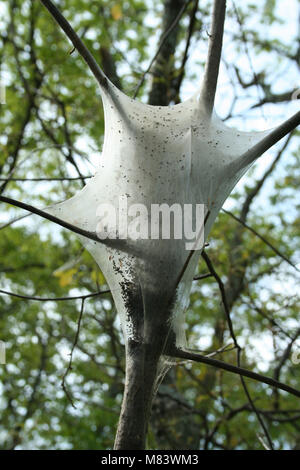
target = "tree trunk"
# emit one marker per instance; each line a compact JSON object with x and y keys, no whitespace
{"x":141,"y":372}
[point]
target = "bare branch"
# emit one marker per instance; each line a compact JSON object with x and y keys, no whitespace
{"x":259,"y":184}
{"x":247,"y":51}
{"x":262,"y":238}
{"x":52,"y":218}
{"x":191,"y":253}
{"x":75,"y":178}
{"x":185,"y":354}
{"x":223,"y":295}
{"x":271,"y":320}
{"x":211,"y":72}
{"x":185,"y":57}
{"x":282,"y":362}
{"x":173,"y":13}
{"x":252,"y":404}
{"x":77,"y":43}
{"x":53,"y":299}
{"x":233,"y":336}
{"x":273,"y":97}
{"x":162,"y":42}
{"x":286,"y":354}
{"x":63,"y":382}
{"x":12,"y":221}
{"x":202,"y":276}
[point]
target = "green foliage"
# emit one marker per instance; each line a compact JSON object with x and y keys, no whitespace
{"x":52,"y":126}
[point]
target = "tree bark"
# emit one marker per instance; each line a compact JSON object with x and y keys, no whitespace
{"x":141,"y":372}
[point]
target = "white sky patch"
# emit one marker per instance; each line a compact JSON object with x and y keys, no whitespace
{"x":262,"y":352}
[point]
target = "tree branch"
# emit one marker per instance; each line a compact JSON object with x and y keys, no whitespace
{"x":286,"y":354}
{"x":283,"y":359}
{"x":201,"y":276}
{"x":52,"y":218}
{"x":223,"y":295}
{"x":211,"y":71}
{"x":77,"y":43}
{"x":75,"y":178}
{"x":252,"y":404}
{"x":259,"y":184}
{"x":185,"y":354}
{"x":236,"y":344}
{"x":238,"y":219}
{"x":267,"y":142}
{"x":63,"y":383}
{"x":53,"y":299}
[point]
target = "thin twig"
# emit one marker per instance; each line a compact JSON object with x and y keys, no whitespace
{"x":261,"y":238}
{"x":52,"y":218}
{"x":223,"y":295}
{"x":244,"y":39}
{"x":187,"y":46}
{"x":63,"y":384}
{"x":274,"y":323}
{"x":259,"y":184}
{"x":286,"y":354}
{"x":53,"y":299}
{"x":47,"y":179}
{"x":202,"y":276}
{"x":12,"y":221}
{"x":247,"y":393}
{"x":238,"y":348}
{"x":226,"y":348}
{"x":162,"y":42}
{"x":192,"y":252}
